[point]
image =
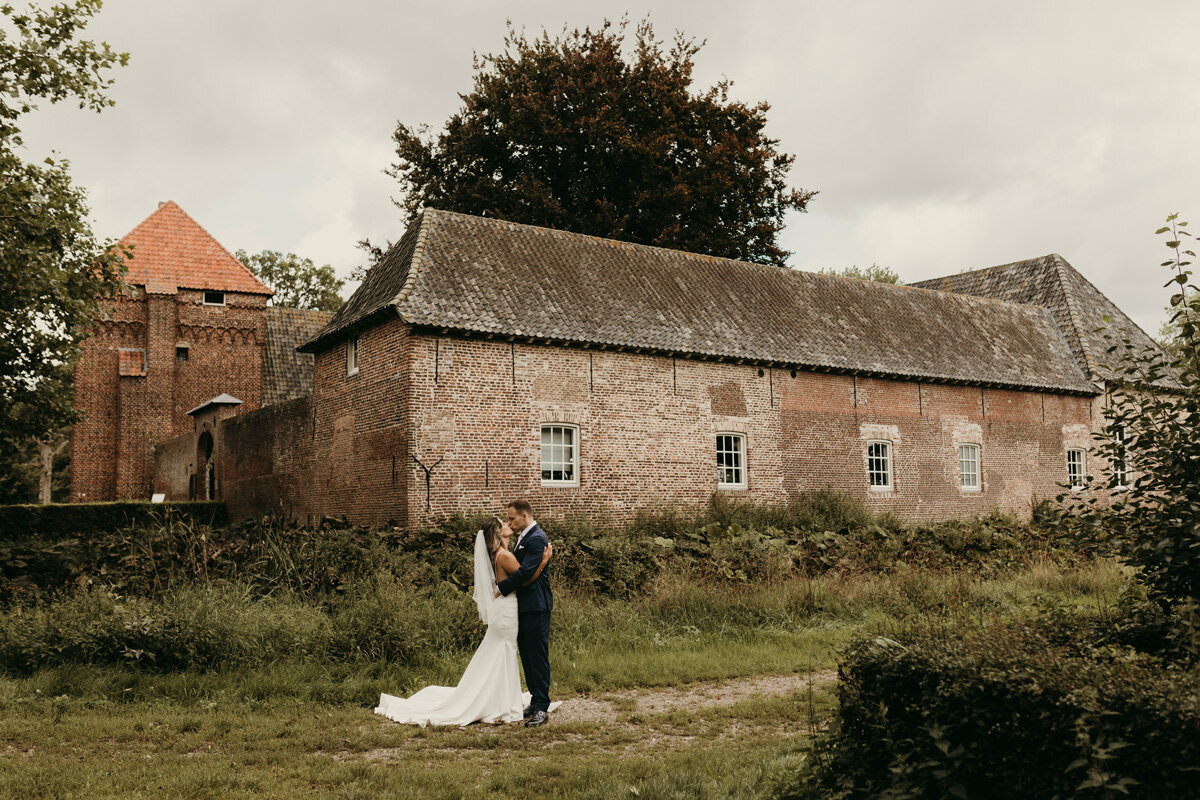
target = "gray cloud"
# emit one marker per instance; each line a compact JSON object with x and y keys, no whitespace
{"x":942,"y":135}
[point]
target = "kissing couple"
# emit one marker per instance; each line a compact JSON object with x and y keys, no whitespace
{"x":514,"y":601}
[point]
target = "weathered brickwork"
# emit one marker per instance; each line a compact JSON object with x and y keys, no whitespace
{"x":454,"y":382}
{"x":647,"y":428}
{"x":341,"y":451}
{"x":471,"y":411}
{"x":123,"y":416}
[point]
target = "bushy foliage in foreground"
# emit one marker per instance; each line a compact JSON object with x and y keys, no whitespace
{"x":723,"y":541}
{"x":1051,"y":708}
{"x":383,"y":619}
{"x":204,"y":627}
{"x":1150,"y":435}
{"x":58,"y":521}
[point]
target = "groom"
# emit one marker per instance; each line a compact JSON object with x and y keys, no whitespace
{"x":534,"y":604}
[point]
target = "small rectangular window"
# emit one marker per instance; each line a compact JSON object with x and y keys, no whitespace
{"x":731,"y":461}
{"x":181,"y":352}
{"x":1120,"y":465}
{"x":968,"y":467}
{"x":1075,"y":468}
{"x":352,"y":357}
{"x":560,"y":455}
{"x":879,"y":465}
{"x":214,"y":298}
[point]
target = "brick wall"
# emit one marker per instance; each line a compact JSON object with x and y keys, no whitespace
{"x":647,"y":427}
{"x":123,"y":416}
{"x":340,"y":452}
{"x":174,"y":461}
{"x":471,"y":411}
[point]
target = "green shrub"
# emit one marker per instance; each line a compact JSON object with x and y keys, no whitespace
{"x":70,"y":520}
{"x":722,"y":542}
{"x":1041,"y":709}
{"x":1150,"y":432}
{"x":194,"y":626}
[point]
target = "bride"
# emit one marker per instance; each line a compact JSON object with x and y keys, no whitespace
{"x":490,"y":688}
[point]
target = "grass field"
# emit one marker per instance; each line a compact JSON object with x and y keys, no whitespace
{"x":298,"y":727}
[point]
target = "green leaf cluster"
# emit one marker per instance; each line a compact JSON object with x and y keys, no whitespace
{"x":591,"y":133}
{"x":874,"y":273}
{"x":1150,"y":437}
{"x":297,"y":281}
{"x":1056,"y":707}
{"x":53,"y":270}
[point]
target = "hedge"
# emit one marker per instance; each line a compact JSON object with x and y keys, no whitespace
{"x":1039,"y":709}
{"x":66,"y":520}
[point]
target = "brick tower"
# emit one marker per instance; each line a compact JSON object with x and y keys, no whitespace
{"x":193,"y":328}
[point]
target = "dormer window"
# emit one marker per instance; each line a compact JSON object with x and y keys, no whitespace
{"x":214,"y":298}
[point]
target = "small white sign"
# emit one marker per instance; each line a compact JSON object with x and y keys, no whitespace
{"x":157,"y":497}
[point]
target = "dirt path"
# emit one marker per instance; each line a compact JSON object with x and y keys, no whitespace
{"x":631,"y":722}
{"x":605,"y":705}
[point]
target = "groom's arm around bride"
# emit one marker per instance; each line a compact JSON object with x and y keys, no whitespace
{"x":534,"y":604}
{"x":529,"y":555}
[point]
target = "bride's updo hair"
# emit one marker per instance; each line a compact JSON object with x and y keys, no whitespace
{"x":491,"y":534}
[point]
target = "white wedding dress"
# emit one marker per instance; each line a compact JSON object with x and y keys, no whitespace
{"x":490,"y":688}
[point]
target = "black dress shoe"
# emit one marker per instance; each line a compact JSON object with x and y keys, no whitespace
{"x":537,"y":718}
{"x":528,"y":710}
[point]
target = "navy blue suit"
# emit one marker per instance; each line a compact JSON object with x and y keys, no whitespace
{"x":534,"y":604}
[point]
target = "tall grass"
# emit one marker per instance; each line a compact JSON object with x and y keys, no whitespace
{"x":788,"y":623}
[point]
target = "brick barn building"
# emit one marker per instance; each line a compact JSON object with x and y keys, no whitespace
{"x":196,"y":325}
{"x":482,"y":360}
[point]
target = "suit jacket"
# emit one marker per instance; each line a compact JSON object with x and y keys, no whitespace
{"x":536,"y":596}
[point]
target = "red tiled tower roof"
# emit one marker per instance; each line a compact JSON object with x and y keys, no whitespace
{"x":172,"y":251}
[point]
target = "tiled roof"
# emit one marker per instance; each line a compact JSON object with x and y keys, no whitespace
{"x":131,"y":361}
{"x":485,"y":276}
{"x":222,"y":399}
{"x":172,"y":251}
{"x":1079,"y":308}
{"x":288,"y":374}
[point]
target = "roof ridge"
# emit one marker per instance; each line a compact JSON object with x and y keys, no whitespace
{"x":1096,"y":288}
{"x":999,"y":266}
{"x":1060,"y":266}
{"x":414,"y":262}
{"x":171,"y":206}
{"x":224,"y":249}
{"x":737,"y":263}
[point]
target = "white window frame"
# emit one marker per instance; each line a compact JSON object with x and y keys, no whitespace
{"x":1121,"y":475}
{"x":568,"y":457}
{"x":204,"y":297}
{"x":889,"y":473}
{"x":1077,"y":482}
{"x":741,"y":468}
{"x":352,"y":357}
{"x":974,"y":461}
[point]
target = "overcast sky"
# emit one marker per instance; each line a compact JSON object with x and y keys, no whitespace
{"x":942,"y":136}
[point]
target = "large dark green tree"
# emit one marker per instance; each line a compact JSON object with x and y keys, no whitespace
{"x":584,"y":133}
{"x":297,"y":281}
{"x":53,"y":270}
